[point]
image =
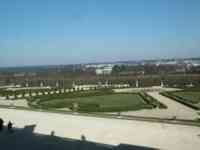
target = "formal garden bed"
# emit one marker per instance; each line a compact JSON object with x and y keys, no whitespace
{"x":104,"y":100}
{"x":189,"y":97}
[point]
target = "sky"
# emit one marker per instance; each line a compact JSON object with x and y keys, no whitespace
{"x":50,"y":32}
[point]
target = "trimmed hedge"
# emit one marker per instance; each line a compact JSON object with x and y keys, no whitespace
{"x":152,"y":101}
{"x":113,"y":108}
{"x":74,"y":94}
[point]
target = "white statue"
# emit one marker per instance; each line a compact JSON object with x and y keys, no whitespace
{"x":41,"y":84}
{"x":57,"y":84}
{"x":162,"y":84}
{"x":137,"y":84}
{"x":27,"y":84}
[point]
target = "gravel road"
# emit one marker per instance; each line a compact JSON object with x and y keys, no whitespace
{"x":108,"y":131}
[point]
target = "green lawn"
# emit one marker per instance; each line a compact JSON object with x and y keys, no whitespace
{"x":100,"y":103}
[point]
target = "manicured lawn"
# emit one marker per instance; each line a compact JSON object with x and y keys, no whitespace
{"x":105,"y":100}
{"x":99,"y":103}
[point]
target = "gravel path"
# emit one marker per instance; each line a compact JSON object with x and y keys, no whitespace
{"x":108,"y":131}
{"x":19,"y":102}
{"x":174,"y":109}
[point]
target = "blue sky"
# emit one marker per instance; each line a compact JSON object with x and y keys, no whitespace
{"x":38,"y":32}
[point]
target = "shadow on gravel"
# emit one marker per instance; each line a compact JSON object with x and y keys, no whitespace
{"x":25,"y":139}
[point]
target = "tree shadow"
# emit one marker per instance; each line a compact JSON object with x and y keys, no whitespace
{"x":23,"y":139}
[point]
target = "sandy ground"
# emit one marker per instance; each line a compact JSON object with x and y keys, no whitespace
{"x":64,"y":109}
{"x":174,"y":109}
{"x":28,"y":88}
{"x":19,"y":102}
{"x":153,"y":88}
{"x":108,"y":131}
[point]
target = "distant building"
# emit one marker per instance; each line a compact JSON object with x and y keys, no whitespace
{"x":104,"y":71}
{"x":180,"y":70}
{"x":19,"y":74}
{"x":196,"y":63}
{"x":99,"y":71}
{"x":98,"y":65}
{"x":32,"y":74}
{"x":98,"y":86}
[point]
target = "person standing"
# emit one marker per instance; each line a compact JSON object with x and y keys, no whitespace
{"x":1,"y":124}
{"x":10,"y":127}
